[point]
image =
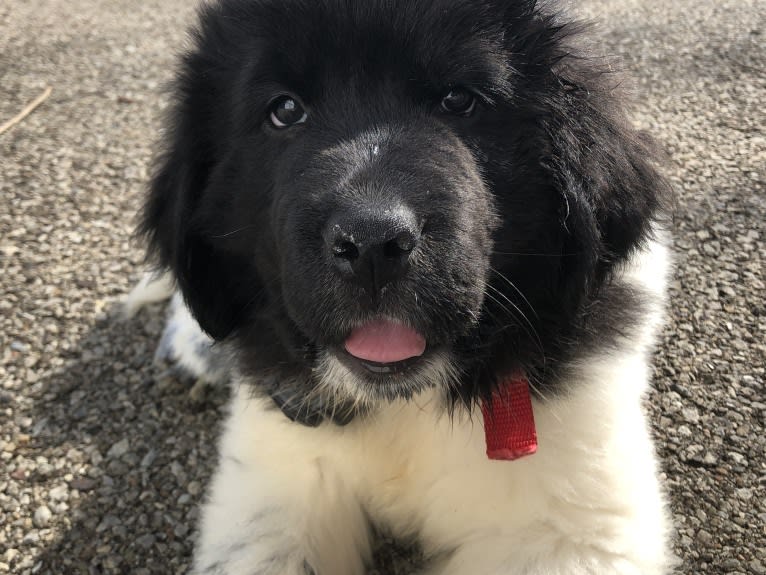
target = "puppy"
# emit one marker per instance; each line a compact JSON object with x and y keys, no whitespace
{"x":428,"y":237}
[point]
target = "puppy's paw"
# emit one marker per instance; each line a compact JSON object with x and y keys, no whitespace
{"x":275,"y":565}
{"x":184,"y":345}
{"x":153,"y":287}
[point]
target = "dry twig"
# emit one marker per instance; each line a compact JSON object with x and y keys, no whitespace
{"x":26,"y":111}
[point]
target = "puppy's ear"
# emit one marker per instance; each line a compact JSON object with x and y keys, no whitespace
{"x":605,"y":168}
{"x":212,"y":281}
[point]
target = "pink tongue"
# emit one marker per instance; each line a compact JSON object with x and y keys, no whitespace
{"x":384,"y":341}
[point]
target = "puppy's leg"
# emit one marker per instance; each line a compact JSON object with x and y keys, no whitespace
{"x":277,"y":506}
{"x":152,"y":288}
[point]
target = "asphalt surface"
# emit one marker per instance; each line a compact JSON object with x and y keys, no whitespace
{"x":104,"y":458}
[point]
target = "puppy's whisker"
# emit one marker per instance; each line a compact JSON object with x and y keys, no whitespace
{"x":529,"y":327}
{"x":538,"y":254}
{"x":514,"y":306}
{"x":233,"y":232}
{"x":516,"y":289}
{"x":535,"y":385}
{"x":258,"y":294}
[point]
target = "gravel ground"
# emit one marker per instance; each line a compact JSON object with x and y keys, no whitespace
{"x":105,"y":457}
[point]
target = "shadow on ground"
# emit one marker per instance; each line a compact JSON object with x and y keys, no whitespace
{"x":140,"y":449}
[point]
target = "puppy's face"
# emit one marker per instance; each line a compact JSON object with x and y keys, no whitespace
{"x":382,"y":229}
{"x":374,"y":197}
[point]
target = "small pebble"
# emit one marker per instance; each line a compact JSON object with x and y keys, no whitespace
{"x":82,"y":483}
{"x":42,"y":516}
{"x":194,"y":488}
{"x":146,"y":541}
{"x":118,"y":449}
{"x":59,"y":493}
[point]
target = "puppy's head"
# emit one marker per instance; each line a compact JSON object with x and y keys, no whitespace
{"x":372,"y":197}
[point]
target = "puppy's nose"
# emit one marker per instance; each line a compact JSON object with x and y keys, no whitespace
{"x":372,"y":248}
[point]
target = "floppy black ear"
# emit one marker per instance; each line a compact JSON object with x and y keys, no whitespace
{"x":603,"y":167}
{"x":606,"y":170}
{"x":213,"y":281}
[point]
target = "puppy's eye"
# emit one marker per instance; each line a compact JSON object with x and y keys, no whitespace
{"x":459,"y":101}
{"x":286,"y":111}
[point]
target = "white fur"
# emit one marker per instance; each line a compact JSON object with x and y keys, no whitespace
{"x":152,"y":288}
{"x":188,"y":347}
{"x":183,"y":343}
{"x":588,"y":502}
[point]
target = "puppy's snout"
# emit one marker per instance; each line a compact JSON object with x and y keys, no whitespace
{"x":372,"y":248}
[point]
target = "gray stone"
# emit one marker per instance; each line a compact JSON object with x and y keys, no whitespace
{"x":146,"y":541}
{"x":42,"y":516}
{"x":118,"y":449}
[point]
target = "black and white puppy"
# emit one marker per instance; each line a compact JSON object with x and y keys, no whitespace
{"x":426,"y":232}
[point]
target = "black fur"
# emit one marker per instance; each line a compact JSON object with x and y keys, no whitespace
{"x":526,"y":206}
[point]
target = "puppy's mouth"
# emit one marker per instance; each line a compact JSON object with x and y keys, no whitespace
{"x":385,"y":346}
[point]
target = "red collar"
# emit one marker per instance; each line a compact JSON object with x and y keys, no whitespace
{"x":509,"y":423}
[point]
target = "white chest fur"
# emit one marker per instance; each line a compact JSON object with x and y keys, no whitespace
{"x":287,"y":496}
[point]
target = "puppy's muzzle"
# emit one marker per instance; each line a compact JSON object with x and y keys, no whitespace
{"x":371,"y":247}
